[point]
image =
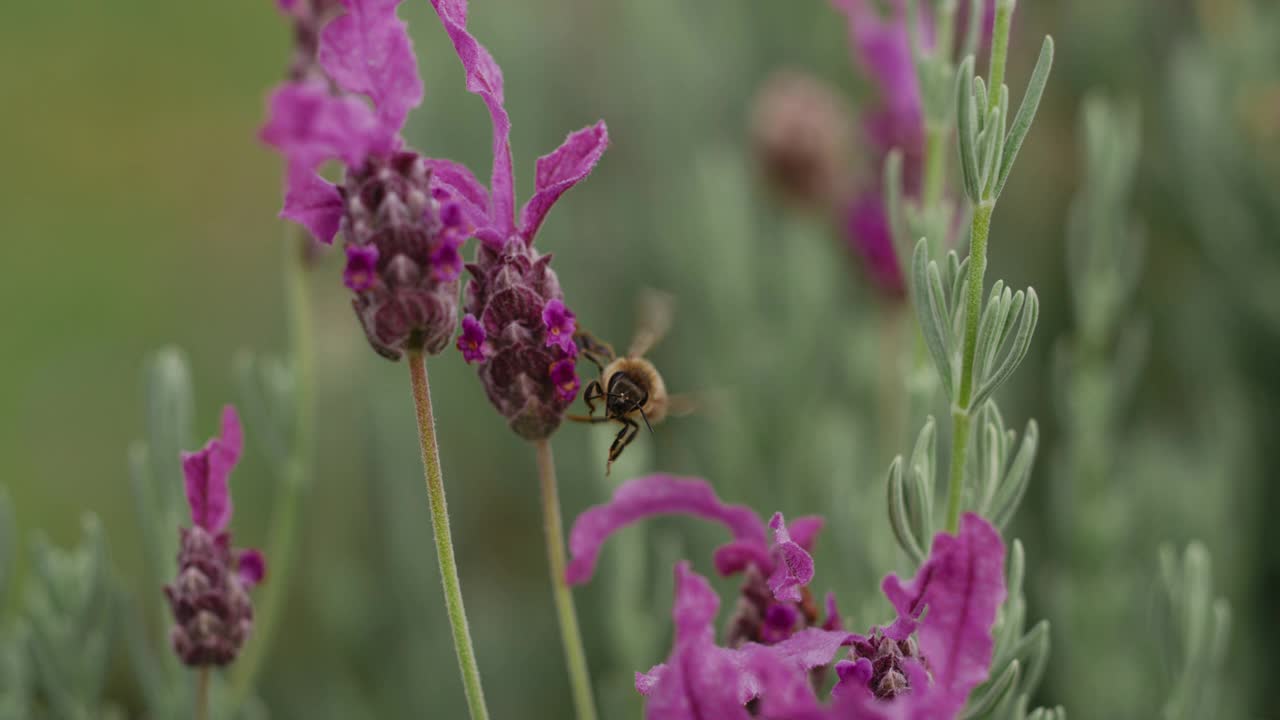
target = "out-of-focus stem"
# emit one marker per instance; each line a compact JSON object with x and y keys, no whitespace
{"x":292,"y":474}
{"x":202,"y":694}
{"x":462,"y":644}
{"x":961,"y":412}
{"x":570,"y":635}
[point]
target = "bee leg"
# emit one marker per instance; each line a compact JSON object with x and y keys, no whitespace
{"x":593,"y":392}
{"x":600,"y":353}
{"x":628,"y":433}
{"x":587,"y":419}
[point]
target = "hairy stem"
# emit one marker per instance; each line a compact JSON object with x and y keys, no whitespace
{"x":292,"y":474}
{"x":999,"y":50}
{"x":444,"y":540}
{"x":570,"y":636}
{"x":961,"y":412}
{"x":202,"y":694}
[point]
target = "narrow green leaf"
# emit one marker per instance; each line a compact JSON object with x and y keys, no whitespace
{"x":1026,"y":112}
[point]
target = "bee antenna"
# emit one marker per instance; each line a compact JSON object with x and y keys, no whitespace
{"x":646,"y":421}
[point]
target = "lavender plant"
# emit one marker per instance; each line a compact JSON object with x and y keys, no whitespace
{"x":1195,"y":626}
{"x":1096,"y":372}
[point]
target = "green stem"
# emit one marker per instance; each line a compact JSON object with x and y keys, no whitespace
{"x":292,"y":474}
{"x":961,"y":413}
{"x":570,"y":635}
{"x":444,"y":540}
{"x":202,"y":694}
{"x":999,"y":50}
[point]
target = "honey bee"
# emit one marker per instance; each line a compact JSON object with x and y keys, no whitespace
{"x":630,"y":386}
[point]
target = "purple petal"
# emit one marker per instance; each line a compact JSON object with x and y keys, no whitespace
{"x":793,"y":567}
{"x":785,"y":688}
{"x":207,"y":471}
{"x":462,"y":188}
{"x":251,"y":567}
{"x":308,"y":125}
{"x":484,"y":78}
{"x":734,"y":557}
{"x":645,"y":682}
{"x":810,"y":648}
{"x":565,"y":379}
{"x":962,"y":586}
{"x":854,"y":677}
{"x":473,"y":341}
{"x":560,"y":323}
{"x":312,"y":202}
{"x":804,"y":530}
{"x":700,"y":680}
{"x":362,"y":267}
{"x":869,"y":235}
{"x":648,"y":496}
{"x":367,"y":51}
{"x":561,"y":170}
{"x":883,"y":48}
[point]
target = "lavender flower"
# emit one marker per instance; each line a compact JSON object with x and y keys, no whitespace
{"x":403,"y":216}
{"x":513,"y":293}
{"x":774,"y":603}
{"x":209,"y":599}
{"x":911,"y":668}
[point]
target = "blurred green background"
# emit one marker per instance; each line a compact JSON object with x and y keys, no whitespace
{"x":138,"y":210}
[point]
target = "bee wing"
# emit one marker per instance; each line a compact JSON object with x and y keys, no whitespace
{"x":654,"y":312}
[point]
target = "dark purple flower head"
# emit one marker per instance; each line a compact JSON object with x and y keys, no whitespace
{"x":913,"y":668}
{"x":513,"y":292}
{"x":403,"y":216}
{"x":209,"y":599}
{"x":801,"y":134}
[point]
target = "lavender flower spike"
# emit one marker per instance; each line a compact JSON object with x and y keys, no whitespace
{"x":403,"y":216}
{"x":209,"y":599}
{"x":513,"y":292}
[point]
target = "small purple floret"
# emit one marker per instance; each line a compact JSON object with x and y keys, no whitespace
{"x":362,"y":267}
{"x":473,"y":341}
{"x":559,"y":321}
{"x":565,"y":378}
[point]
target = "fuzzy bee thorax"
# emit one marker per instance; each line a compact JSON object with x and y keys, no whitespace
{"x":644,"y":375}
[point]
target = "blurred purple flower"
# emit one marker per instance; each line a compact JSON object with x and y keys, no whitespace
{"x":774,"y":602}
{"x":403,"y":216}
{"x":209,"y":599}
{"x":513,"y":291}
{"x":911,"y":668}
{"x":473,"y":341}
{"x":881,"y":46}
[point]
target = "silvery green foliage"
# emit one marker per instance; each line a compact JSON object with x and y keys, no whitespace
{"x":993,"y":478}
{"x":1096,"y":370}
{"x":157,"y":485}
{"x":995,"y":485}
{"x":1005,"y":327}
{"x":1196,"y":626}
{"x":988,"y":144}
{"x":268,"y":395}
{"x":67,"y":610}
{"x":1221,"y":108}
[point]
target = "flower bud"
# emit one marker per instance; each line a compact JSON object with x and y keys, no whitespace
{"x":210,"y":603}
{"x":801,"y":132}
{"x":520,"y":333}
{"x":402,"y":255}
